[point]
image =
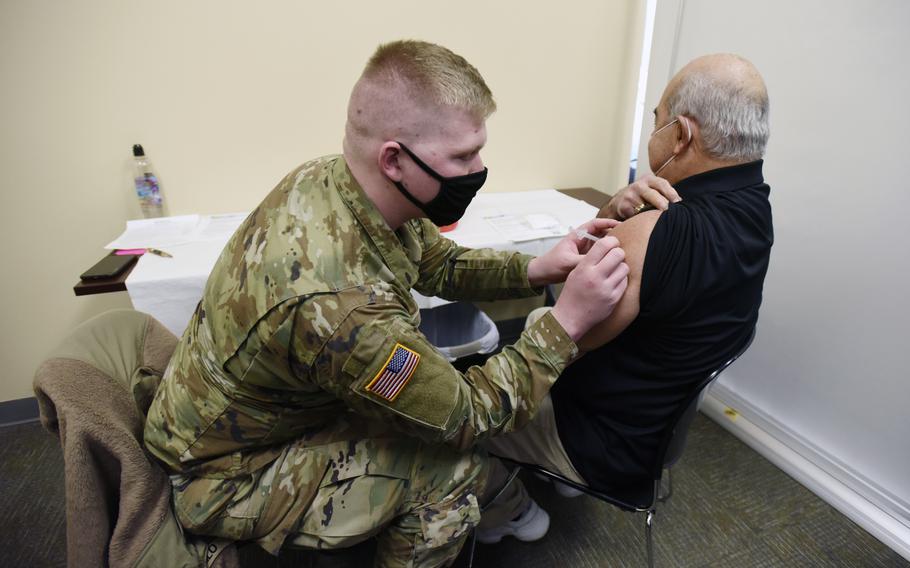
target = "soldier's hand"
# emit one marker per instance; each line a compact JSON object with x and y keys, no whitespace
{"x":554,"y":266}
{"x":593,"y":288}
{"x":649,"y":190}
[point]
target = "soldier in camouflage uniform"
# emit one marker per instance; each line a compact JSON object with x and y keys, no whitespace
{"x":303,"y":405}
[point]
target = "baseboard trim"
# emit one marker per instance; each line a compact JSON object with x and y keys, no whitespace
{"x":21,"y":411}
{"x":858,"y":499}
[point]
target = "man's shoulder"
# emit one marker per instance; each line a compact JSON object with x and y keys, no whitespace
{"x":296,"y":243}
{"x":296,"y":228}
{"x":634,"y":232}
{"x":318,"y":170}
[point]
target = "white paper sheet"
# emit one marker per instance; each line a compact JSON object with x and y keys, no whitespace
{"x":518,"y":229}
{"x":166,"y":232}
{"x":219,"y":227}
{"x":158,"y":233}
{"x":475,"y":231}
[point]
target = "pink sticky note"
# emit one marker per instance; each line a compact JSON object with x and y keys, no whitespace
{"x":125,"y":252}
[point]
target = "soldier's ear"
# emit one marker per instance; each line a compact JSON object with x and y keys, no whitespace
{"x":389,"y":156}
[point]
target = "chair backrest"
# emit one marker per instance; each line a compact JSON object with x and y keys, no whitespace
{"x":674,"y":438}
{"x":641,"y":496}
{"x":93,"y":392}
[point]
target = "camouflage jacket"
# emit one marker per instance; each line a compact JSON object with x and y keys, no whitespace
{"x":308,"y":314}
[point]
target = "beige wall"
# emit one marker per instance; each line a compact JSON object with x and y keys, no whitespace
{"x":227,"y":98}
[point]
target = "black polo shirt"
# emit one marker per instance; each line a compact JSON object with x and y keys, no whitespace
{"x":701,"y":288}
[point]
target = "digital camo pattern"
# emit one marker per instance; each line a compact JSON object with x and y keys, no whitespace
{"x":304,"y":307}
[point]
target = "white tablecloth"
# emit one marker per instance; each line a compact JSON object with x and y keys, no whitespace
{"x":170,"y":288}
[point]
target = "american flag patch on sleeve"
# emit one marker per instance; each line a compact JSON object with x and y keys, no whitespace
{"x":395,"y":374}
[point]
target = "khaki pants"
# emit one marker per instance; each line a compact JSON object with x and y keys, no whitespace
{"x":537,"y":443}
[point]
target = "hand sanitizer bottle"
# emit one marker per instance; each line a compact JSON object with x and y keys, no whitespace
{"x":151,"y":201}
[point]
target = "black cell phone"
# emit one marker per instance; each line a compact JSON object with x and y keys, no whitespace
{"x":109,"y":266}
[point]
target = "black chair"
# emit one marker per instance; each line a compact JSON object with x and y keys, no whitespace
{"x":643,"y":496}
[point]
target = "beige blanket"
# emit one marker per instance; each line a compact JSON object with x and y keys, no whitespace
{"x":94,"y":392}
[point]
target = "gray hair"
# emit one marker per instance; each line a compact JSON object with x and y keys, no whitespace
{"x":732,"y":118}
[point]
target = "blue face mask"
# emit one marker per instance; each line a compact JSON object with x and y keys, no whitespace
{"x":455,"y":193}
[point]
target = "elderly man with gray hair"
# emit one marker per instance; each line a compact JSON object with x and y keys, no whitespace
{"x":697,"y":264}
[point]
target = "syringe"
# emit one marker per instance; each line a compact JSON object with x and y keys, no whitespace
{"x":583,"y":234}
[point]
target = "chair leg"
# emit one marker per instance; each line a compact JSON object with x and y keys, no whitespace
{"x":649,"y":527}
{"x":471,"y":550}
{"x":664,"y":496}
{"x":512,"y":475}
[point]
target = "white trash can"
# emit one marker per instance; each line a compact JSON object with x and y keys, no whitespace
{"x":459,"y":329}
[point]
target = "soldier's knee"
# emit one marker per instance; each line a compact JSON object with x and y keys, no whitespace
{"x":444,"y":492}
{"x":472,"y":467}
{"x":451,"y":506}
{"x":441,"y":472}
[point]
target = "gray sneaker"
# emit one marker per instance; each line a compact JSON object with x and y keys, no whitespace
{"x":529,"y":526}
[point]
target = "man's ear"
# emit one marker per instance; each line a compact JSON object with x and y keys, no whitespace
{"x":686,"y":134}
{"x":389,"y":154}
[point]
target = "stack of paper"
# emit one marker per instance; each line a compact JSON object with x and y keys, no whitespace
{"x":165,"y":232}
{"x":526,"y":227}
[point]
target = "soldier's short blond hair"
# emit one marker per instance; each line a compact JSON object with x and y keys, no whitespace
{"x":431,"y":74}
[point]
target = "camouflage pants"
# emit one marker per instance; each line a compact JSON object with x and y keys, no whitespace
{"x":420,"y":500}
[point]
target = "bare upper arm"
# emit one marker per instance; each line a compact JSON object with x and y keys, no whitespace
{"x":633,"y":235}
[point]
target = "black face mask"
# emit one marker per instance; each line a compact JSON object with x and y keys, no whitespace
{"x":455,"y":193}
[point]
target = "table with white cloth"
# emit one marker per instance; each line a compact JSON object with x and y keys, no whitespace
{"x":169,"y":288}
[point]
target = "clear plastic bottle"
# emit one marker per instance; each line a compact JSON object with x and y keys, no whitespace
{"x":151,"y":200}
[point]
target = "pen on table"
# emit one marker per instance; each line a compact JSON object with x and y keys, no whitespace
{"x":158,"y":252}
